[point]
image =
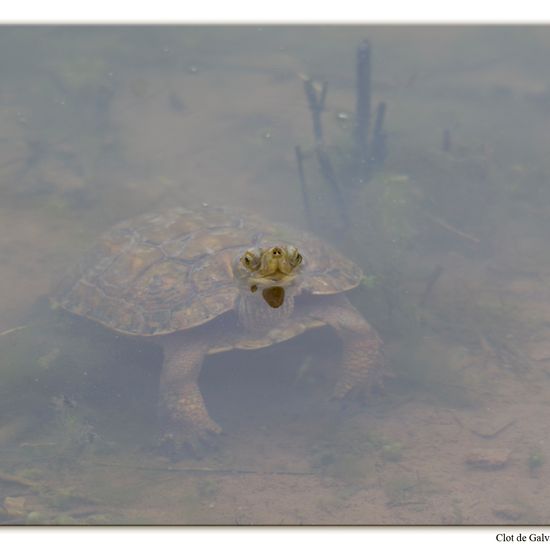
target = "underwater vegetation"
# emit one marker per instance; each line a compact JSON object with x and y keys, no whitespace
{"x":395,"y":207}
{"x":73,"y":392}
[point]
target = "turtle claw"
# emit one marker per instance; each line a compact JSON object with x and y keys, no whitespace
{"x":194,"y":442}
{"x":348,"y":398}
{"x":354,"y":391}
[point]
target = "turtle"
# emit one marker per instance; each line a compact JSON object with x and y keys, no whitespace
{"x":200,"y":281}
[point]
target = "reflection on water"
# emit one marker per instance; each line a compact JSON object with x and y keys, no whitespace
{"x":447,"y":223}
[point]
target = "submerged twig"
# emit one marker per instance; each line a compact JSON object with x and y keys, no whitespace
{"x":316,"y":105}
{"x":365,"y":157}
{"x":488,"y":434}
{"x":330,"y":176}
{"x":494,"y":433}
{"x":202,"y":470}
{"x":12,"y":330}
{"x":453,"y":229}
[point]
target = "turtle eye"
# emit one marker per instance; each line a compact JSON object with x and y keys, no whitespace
{"x":250,"y":260}
{"x":295,"y":257}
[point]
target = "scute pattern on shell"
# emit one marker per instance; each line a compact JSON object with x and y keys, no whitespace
{"x":169,"y":271}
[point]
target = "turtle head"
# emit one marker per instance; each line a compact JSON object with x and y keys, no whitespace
{"x":268,"y":270}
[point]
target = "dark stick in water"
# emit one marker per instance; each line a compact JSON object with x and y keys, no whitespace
{"x":330,"y":176}
{"x":316,"y":106}
{"x":363,"y":108}
{"x":303,"y":187}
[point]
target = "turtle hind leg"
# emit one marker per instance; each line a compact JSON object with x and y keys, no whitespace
{"x":362,"y":360}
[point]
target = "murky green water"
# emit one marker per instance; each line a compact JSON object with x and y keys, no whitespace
{"x":448,"y":223}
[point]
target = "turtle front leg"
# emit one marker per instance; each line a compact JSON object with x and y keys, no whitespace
{"x":182,"y":407}
{"x":362,"y":359}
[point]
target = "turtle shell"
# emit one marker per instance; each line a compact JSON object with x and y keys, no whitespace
{"x":171,"y":270}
